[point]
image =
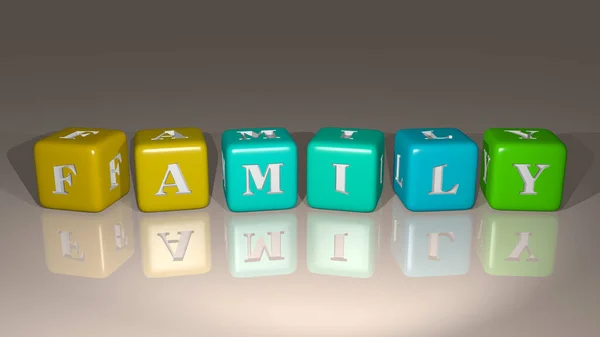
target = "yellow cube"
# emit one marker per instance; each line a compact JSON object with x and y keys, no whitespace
{"x":82,"y":169}
{"x":175,"y":245}
{"x":171,"y":169}
{"x":88,"y":245}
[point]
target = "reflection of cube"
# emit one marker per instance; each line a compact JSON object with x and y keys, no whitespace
{"x":260,"y":169}
{"x":518,"y":244}
{"x":262,"y":244}
{"x":80,"y":169}
{"x":427,"y":245}
{"x":88,"y":245}
{"x":175,"y":244}
{"x":341,"y":244}
{"x":435,"y":169}
{"x":345,"y":169}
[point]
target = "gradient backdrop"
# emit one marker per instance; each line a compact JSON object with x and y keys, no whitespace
{"x":367,"y":64}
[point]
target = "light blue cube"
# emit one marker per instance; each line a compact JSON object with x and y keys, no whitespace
{"x":435,"y":169}
{"x":260,"y":169}
{"x":262,"y":244}
{"x":432,"y":245}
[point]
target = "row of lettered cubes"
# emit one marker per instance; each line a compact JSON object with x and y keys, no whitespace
{"x":268,"y":243}
{"x":84,"y":169}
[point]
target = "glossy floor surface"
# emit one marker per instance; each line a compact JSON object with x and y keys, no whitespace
{"x":122,"y":273}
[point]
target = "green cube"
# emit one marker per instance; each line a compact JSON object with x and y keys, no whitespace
{"x":516,"y":244}
{"x":523,"y":169}
{"x":345,"y":169}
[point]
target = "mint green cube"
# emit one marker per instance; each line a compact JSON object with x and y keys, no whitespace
{"x":345,"y":169}
{"x":341,"y":244}
{"x":262,"y":244}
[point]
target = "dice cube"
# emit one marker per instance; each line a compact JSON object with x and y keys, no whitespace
{"x":518,"y":244}
{"x":82,"y":169}
{"x":88,"y":245}
{"x":262,"y":244}
{"x":431,"y":245}
{"x":175,"y":245}
{"x":341,"y":244}
{"x":345,"y":169}
{"x":435,"y":169}
{"x":171,"y":169}
{"x":260,"y":169}
{"x":523,"y":169}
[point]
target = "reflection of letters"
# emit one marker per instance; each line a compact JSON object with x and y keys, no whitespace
{"x":521,"y":246}
{"x":70,"y":249}
{"x":434,"y":244}
{"x":338,"y":247}
{"x":121,"y":240}
{"x":182,"y":244}
{"x":261,"y":247}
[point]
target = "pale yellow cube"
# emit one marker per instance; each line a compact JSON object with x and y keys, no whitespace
{"x":82,"y":169}
{"x":175,"y":244}
{"x":88,"y":245}
{"x":171,"y":169}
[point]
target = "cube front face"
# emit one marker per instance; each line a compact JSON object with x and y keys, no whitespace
{"x":171,"y":169}
{"x":345,"y":169}
{"x":88,"y":245}
{"x":176,"y":245}
{"x":262,"y":244}
{"x":518,"y":244}
{"x":260,"y":169}
{"x":523,"y":169}
{"x":432,"y":245}
{"x":82,"y":169}
{"x":341,"y":245}
{"x":435,"y":169}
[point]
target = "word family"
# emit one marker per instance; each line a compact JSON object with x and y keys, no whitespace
{"x":339,"y":244}
{"x":434,"y":169}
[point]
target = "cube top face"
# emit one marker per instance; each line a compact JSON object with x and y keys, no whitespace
{"x":348,"y":138}
{"x":435,"y":169}
{"x":523,"y":169}
{"x":171,"y":169}
{"x":513,"y":136}
{"x":518,"y":244}
{"x":345,"y":169}
{"x":248,"y":139}
{"x":175,"y":138}
{"x":260,"y":169}
{"x":420,"y":138}
{"x":262,"y":244}
{"x":82,"y":169}
{"x":175,"y":245}
{"x":88,"y":245}
{"x":86,"y":138}
{"x":342,"y":245}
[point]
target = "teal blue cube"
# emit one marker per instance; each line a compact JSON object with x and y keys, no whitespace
{"x":262,"y":244}
{"x":260,"y":169}
{"x":431,"y":244}
{"x":341,"y":244}
{"x":345,"y":169}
